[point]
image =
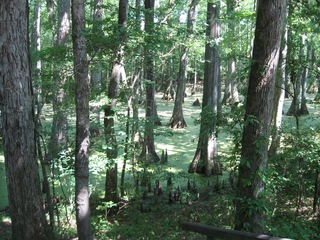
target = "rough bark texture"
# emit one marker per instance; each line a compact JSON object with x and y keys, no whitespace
{"x":249,"y":201}
{"x":207,"y":149}
{"x":17,"y":112}
{"x":82,"y":121}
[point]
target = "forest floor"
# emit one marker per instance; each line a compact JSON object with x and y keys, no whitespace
{"x":145,"y":215}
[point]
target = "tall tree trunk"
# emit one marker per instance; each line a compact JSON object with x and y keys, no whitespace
{"x":207,"y":149}
{"x":279,"y":95}
{"x":118,"y":74}
{"x":111,"y":183}
{"x":35,"y":48}
{"x":289,"y":59}
{"x":254,"y":154}
{"x":168,"y":93}
{"x":136,"y":93}
{"x":177,"y":119}
{"x":59,"y":130}
{"x":82,"y":121}
{"x":96,"y":67}
{"x":52,"y":18}
{"x":317,"y":97}
{"x":17,"y":111}
{"x":231,"y":94}
{"x":305,"y":73}
{"x":296,"y":72}
{"x":149,"y":153}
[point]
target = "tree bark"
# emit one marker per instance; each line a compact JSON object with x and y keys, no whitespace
{"x":82,"y":121}
{"x":303,"y":107}
{"x":279,"y":95}
{"x":177,"y":119}
{"x":35,"y":48}
{"x":18,"y":124}
{"x":59,"y":129}
{"x":96,"y":67}
{"x":207,"y":149}
{"x":149,"y":153}
{"x":296,"y":76}
{"x":118,"y":74}
{"x":254,"y":153}
{"x":136,"y":138}
{"x":231,"y":94}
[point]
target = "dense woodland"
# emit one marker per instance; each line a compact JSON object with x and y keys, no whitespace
{"x":123,"y":119}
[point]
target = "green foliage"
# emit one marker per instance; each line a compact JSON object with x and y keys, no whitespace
{"x":232,"y":122}
{"x":302,"y":145}
{"x":290,"y":176}
{"x":282,"y":185}
{"x":297,"y":229}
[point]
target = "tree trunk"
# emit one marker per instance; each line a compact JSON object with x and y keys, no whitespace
{"x":312,"y":86}
{"x":118,"y":74}
{"x":51,"y":5}
{"x":168,"y":90}
{"x":35,"y":48}
{"x":96,"y":68}
{"x":289,"y":59}
{"x":254,"y":153}
{"x":296,"y":72}
{"x":303,"y":107}
{"x":231,"y":94}
{"x":149,"y":153}
{"x":17,"y":112}
{"x":136,"y":93}
{"x":207,"y":149}
{"x":279,"y":96}
{"x":59,"y":130}
{"x":111,"y":184}
{"x":317,"y":76}
{"x":316,"y":191}
{"x":135,"y":132}
{"x":82,"y":121}
{"x":177,"y":119}
{"x":195,"y":77}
